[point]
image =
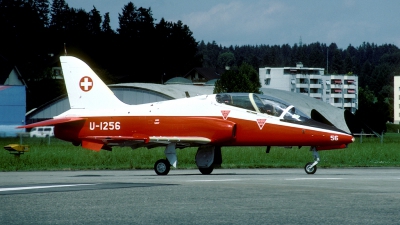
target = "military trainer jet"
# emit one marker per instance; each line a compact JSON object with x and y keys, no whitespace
{"x":99,"y":120}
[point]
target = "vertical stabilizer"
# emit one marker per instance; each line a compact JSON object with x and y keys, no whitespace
{"x":85,"y":89}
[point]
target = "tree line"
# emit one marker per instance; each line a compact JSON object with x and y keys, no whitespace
{"x":143,"y":49}
{"x":375,"y":65}
{"x":34,"y":33}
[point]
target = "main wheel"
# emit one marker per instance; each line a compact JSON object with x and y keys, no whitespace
{"x":206,"y":171}
{"x":309,"y":169}
{"x":161,"y":167}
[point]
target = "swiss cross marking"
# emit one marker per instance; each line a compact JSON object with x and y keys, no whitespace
{"x":225,"y":114}
{"x":261,"y":123}
{"x":86,"y":83}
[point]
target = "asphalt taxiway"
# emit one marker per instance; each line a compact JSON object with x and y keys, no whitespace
{"x":234,"y":196}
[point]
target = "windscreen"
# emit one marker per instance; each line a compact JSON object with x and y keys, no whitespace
{"x":262,"y":104}
{"x":282,"y":109}
{"x":240,"y":100}
{"x":293,"y":114}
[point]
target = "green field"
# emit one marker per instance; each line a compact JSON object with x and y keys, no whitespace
{"x":60,"y":155}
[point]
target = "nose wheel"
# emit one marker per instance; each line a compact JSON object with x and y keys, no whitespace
{"x":311,"y":167}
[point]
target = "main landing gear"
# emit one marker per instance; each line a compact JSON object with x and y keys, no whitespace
{"x":162,"y":167}
{"x":207,"y":157}
{"x":311,"y":167}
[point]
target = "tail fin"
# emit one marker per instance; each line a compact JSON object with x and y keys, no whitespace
{"x":85,"y":89}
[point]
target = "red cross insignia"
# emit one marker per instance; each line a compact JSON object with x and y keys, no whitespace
{"x":86,"y":83}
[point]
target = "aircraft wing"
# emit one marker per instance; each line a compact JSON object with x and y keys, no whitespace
{"x":166,"y":140}
{"x":97,"y":143}
{"x":52,"y":122}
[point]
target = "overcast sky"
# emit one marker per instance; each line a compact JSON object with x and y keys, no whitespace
{"x":271,"y":22}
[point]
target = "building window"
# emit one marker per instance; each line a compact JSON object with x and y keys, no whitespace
{"x":288,"y":71}
{"x":303,"y":90}
{"x":267,"y":81}
{"x":351,"y":91}
{"x":337,"y":81}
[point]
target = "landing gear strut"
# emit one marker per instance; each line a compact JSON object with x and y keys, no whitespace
{"x":162,"y":166}
{"x":311,"y":167}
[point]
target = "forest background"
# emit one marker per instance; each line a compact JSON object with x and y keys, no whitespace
{"x":34,"y":33}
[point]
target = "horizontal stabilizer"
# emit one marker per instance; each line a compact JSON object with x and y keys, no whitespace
{"x":52,"y":122}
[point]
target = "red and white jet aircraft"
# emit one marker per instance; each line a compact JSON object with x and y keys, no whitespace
{"x":99,"y":120}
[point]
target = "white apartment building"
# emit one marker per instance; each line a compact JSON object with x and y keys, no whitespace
{"x":396,"y":98}
{"x":338,"y":90}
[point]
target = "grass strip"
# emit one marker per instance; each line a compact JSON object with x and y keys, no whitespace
{"x":60,"y":155}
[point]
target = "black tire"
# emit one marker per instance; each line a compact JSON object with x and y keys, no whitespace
{"x":206,"y":171}
{"x":310,"y":170}
{"x":162,"y":167}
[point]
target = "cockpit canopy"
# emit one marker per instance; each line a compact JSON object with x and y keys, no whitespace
{"x":262,"y":104}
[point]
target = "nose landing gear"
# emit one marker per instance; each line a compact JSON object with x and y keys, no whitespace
{"x":311,"y":167}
